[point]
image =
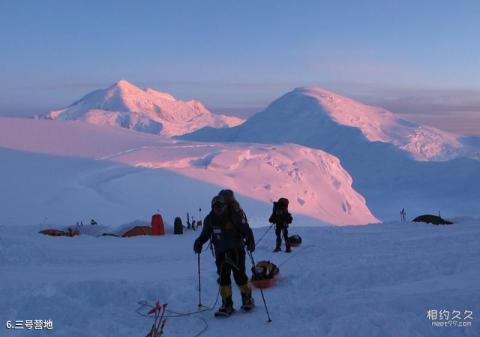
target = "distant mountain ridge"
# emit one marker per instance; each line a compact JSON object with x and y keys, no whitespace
{"x":151,"y":111}
{"x":393,"y":163}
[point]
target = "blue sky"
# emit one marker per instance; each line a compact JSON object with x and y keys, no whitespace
{"x":238,"y":54}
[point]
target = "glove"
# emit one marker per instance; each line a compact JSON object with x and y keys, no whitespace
{"x":197,"y":247}
{"x":251,"y":245}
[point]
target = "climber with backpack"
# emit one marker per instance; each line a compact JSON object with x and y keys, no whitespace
{"x":281,"y":218}
{"x":227,"y":227}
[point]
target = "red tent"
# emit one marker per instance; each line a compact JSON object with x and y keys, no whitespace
{"x":157,"y":225}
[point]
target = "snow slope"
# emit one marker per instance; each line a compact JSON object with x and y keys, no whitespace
{"x":313,"y":112}
{"x":150,"y":111}
{"x":362,"y":281}
{"x":41,"y":188}
{"x":123,"y":168}
{"x":313,"y":181}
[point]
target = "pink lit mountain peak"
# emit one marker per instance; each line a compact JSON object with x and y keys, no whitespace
{"x":128,"y":106}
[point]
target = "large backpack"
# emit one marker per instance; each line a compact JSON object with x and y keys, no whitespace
{"x":178,"y":226}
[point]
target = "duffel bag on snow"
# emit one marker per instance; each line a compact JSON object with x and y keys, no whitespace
{"x":264,"y":274}
{"x":295,"y":240}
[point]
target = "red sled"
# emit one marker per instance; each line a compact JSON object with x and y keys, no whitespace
{"x":264,"y":275}
{"x":265,"y":283}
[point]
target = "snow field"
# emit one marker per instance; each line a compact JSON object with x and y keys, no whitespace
{"x":375,"y":280}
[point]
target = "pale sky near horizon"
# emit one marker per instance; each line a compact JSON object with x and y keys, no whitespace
{"x":420,"y":58}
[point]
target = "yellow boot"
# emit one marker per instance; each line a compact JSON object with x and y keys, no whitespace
{"x":227,"y":304}
{"x":247,"y":300}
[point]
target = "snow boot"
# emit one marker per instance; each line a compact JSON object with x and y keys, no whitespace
{"x":227,"y":304}
{"x":277,"y":249}
{"x":247,"y":301}
{"x":288,"y":250}
{"x":226,"y":309}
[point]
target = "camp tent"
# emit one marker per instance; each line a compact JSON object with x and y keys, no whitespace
{"x":53,"y":232}
{"x":70,"y":232}
{"x":433,"y":219}
{"x":138,"y":230}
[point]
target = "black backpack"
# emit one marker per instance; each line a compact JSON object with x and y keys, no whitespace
{"x":295,"y":240}
{"x":177,"y":226}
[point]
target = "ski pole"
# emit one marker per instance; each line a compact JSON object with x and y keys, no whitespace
{"x":261,"y":290}
{"x":268,"y":229}
{"x":199,"y":284}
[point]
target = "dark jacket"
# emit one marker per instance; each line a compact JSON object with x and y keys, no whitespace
{"x":227,"y":232}
{"x":281,"y":219}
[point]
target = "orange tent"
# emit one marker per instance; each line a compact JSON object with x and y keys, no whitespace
{"x":58,"y":232}
{"x":53,"y":232}
{"x":138,"y":230}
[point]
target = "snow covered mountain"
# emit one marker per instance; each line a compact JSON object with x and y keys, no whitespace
{"x":386,"y":174}
{"x":331,"y":172}
{"x":151,"y":111}
{"x":316,"y":114}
